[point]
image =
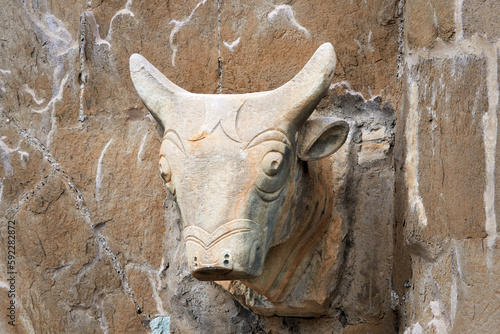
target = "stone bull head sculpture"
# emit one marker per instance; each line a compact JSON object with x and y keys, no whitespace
{"x":237,"y":165}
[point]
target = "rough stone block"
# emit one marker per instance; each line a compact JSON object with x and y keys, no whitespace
{"x":429,"y":19}
{"x":64,"y":79}
{"x":280,"y":37}
{"x":482,"y":18}
{"x":451,"y":153}
{"x":63,"y":276}
{"x":456,"y":292}
{"x":372,"y":152}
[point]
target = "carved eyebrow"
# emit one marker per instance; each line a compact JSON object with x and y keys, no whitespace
{"x":269,"y":135}
{"x":174,"y":138}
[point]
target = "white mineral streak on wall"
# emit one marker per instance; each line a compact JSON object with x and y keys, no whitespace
{"x":459,"y":33}
{"x":490,"y":121}
{"x":369,"y":45}
{"x":95,"y":29}
{"x":435,"y":18}
{"x":81,"y":113}
{"x":4,"y":285}
{"x":4,"y":72}
{"x":52,"y":29}
{"x":60,"y":45}
{"x":350,"y":91}
{"x":99,"y":175}
{"x":232,"y":45}
{"x":154,"y":277}
{"x":437,"y":324}
{"x":360,"y":46}
{"x":28,"y":325}
{"x":287,"y":11}
{"x":124,"y":11}
{"x":453,"y":298}
{"x":155,"y":280}
{"x":103,"y":322}
{"x":414,"y":329}
{"x":177,"y":26}
{"x":52,"y":103}
{"x":57,"y":95}
{"x":1,"y":189}
{"x":30,"y":91}
{"x":414,"y":199}
{"x":5,"y":156}
{"x":140,"y":153}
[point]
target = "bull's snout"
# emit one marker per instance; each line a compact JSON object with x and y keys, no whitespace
{"x":233,"y":251}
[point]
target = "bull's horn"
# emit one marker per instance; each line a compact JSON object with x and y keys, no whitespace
{"x":155,"y":90}
{"x":291,"y":103}
{"x":299,"y":96}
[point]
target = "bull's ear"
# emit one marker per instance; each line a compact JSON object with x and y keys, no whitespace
{"x":321,"y":137}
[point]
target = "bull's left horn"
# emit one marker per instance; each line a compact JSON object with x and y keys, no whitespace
{"x":155,"y":90}
{"x":299,"y":96}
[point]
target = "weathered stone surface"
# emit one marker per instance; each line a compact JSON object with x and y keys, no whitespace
{"x":446,"y":193}
{"x":179,"y":37}
{"x":427,"y":20}
{"x":451,"y":185}
{"x":240,"y":186}
{"x":271,"y":40}
{"x":481,"y":18}
{"x":368,"y":296}
{"x":371,"y":152}
{"x":64,"y":279}
{"x":64,"y":79}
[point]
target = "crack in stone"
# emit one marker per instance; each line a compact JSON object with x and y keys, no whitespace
{"x":82,"y":77}
{"x":219,"y":61}
{"x":14,"y":209}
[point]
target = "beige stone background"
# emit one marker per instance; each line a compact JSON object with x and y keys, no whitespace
{"x":98,"y":240}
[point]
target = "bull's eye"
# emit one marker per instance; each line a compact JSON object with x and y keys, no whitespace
{"x":165,"y":172}
{"x":276,"y":156}
{"x":272,"y":163}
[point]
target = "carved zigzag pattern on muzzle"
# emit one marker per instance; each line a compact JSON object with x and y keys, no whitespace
{"x":206,"y":240}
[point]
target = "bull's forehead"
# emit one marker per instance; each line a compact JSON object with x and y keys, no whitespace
{"x":209,"y":177}
{"x":212,"y":147}
{"x":215,"y":156}
{"x":214,"y":175}
{"x":239,"y":116}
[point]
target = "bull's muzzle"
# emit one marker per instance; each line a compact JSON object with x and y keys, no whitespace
{"x":233,"y":251}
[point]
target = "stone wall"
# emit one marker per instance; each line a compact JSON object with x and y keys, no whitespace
{"x":446,"y":253}
{"x":98,"y":240}
{"x":97,"y":234}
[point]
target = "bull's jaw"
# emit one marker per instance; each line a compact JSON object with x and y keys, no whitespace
{"x":235,"y":250}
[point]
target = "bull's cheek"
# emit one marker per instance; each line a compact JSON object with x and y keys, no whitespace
{"x":183,"y":204}
{"x":271,"y":216}
{"x":279,"y":217}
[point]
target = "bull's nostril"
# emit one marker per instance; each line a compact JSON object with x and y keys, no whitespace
{"x":226,"y":256}
{"x":226,"y":262}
